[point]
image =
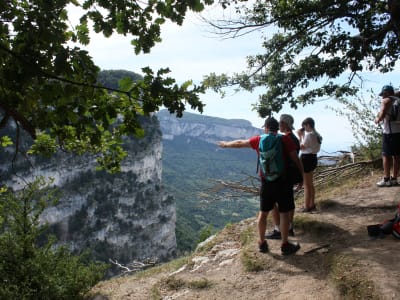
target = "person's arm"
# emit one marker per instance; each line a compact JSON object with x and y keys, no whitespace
{"x":385,"y":105}
{"x":306,"y":141}
{"x":234,"y":144}
{"x":295,"y":158}
{"x":300,"y":133}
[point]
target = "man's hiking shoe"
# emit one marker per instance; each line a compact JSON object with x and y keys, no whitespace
{"x":273,"y":235}
{"x":393,"y":181}
{"x":289,"y":248}
{"x":263,"y":248}
{"x":384,"y":182}
{"x":291,"y":232}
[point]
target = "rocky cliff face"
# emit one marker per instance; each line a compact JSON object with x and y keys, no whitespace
{"x":125,"y":216}
{"x":209,"y":129}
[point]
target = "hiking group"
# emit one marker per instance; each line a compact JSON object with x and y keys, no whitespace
{"x":281,"y":169}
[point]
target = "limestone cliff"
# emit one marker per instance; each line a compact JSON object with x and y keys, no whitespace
{"x":126,"y":216}
{"x":209,"y":129}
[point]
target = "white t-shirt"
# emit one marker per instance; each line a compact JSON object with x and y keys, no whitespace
{"x":310,"y":142}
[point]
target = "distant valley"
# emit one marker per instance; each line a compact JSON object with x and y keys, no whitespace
{"x":191,"y":164}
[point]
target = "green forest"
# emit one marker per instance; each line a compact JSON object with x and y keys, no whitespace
{"x":190,"y":171}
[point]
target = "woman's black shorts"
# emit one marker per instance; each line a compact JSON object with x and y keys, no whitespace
{"x":309,"y":161}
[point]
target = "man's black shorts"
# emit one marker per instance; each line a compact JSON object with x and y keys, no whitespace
{"x":310,"y":162}
{"x":391,"y":144}
{"x":279,"y":191}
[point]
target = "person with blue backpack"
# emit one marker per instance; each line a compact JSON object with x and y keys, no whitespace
{"x":295,"y":177}
{"x":274,"y":151}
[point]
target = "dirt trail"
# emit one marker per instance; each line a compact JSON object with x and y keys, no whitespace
{"x":307,"y":275}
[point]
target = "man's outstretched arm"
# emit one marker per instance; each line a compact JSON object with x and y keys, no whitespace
{"x":234,"y":144}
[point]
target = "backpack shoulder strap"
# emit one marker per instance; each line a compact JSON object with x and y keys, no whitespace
{"x":394,"y":100}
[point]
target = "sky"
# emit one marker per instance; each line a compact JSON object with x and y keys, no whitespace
{"x":192,"y":51}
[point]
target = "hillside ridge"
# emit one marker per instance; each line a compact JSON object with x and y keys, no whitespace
{"x":337,"y":259}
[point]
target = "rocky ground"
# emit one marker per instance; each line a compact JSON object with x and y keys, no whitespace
{"x":337,"y":259}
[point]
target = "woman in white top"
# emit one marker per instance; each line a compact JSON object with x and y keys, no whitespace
{"x":310,"y":145}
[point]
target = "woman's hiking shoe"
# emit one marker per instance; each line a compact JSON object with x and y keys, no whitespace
{"x":273,"y":235}
{"x":289,"y":248}
{"x":307,"y":209}
{"x":393,"y":181}
{"x":384,"y":182}
{"x":263,"y":248}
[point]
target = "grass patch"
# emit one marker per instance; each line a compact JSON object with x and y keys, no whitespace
{"x":251,"y":262}
{"x":170,"y":266}
{"x":247,"y":236}
{"x":350,"y":280}
{"x":172,"y":283}
{"x":327,"y":204}
{"x":218,"y":239}
{"x":330,"y":188}
{"x":209,"y":245}
{"x":314,"y":227}
{"x":155,"y":293}
{"x":199,"y":284}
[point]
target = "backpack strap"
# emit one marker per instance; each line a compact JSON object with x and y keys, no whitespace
{"x":393,"y":99}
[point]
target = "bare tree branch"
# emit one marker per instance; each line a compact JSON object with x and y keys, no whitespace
{"x":134,"y":266}
{"x":325,"y":174}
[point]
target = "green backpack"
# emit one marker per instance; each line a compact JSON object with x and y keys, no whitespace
{"x":270,"y":159}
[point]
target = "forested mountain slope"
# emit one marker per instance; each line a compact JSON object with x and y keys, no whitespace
{"x":191,"y":164}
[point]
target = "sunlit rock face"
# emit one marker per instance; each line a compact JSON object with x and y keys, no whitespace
{"x":125,"y":216}
{"x":209,"y":129}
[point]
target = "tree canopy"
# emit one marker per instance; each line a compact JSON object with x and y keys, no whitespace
{"x":311,"y":48}
{"x":49,"y":84}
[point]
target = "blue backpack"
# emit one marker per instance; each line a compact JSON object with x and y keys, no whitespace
{"x":270,"y":159}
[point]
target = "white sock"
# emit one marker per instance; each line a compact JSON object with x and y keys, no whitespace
{"x":276,"y":228}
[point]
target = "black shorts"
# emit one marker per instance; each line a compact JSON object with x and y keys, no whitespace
{"x":310,"y":162}
{"x":391,"y":144}
{"x":280,"y":192}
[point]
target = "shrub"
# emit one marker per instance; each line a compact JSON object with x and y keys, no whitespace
{"x":30,"y":271}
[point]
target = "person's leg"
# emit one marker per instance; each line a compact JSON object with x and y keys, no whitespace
{"x":262,"y":226}
{"x":312,"y":191}
{"x":286,"y":206}
{"x":275,"y":233}
{"x":396,"y":166}
{"x":291,"y":225}
{"x":386,"y":180}
{"x":275,"y":217}
{"x":284,"y":226}
{"x":307,"y":180}
{"x":386,"y":165}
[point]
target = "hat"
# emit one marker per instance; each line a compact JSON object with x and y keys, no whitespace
{"x":271,"y":123}
{"x":288,"y":120}
{"x":386,"y":88}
